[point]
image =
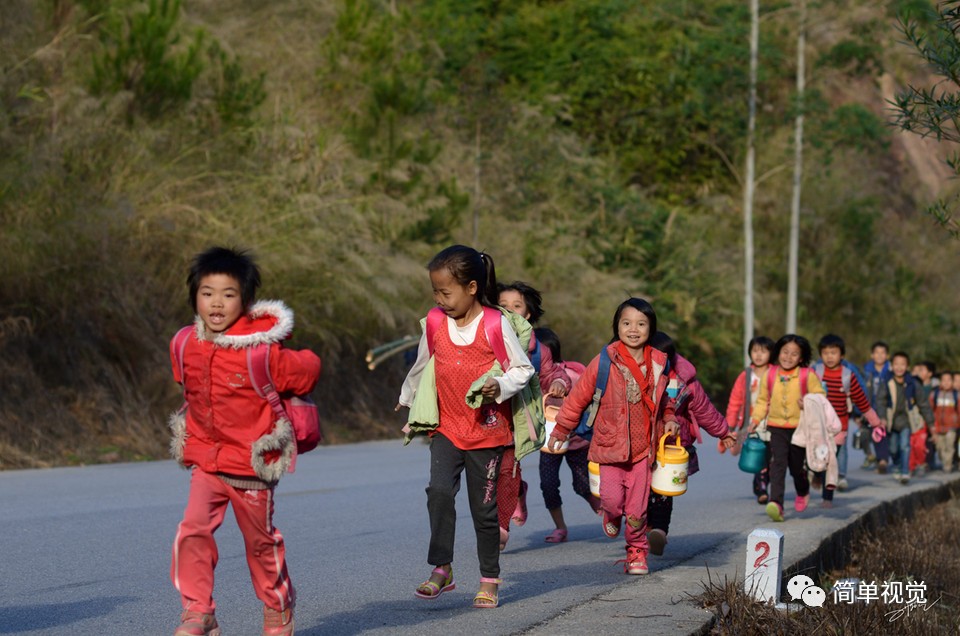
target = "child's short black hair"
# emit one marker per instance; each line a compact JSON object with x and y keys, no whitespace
{"x":662,"y":342}
{"x":900,"y":354}
{"x":880,"y":343}
{"x":761,"y":341}
{"x":550,"y":340}
{"x":832,"y":340}
{"x":531,"y":297}
{"x":931,"y":367}
{"x":236,"y":263}
{"x":640,"y":305}
{"x":806,"y":352}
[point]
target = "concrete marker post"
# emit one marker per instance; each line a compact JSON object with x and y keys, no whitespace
{"x":764,"y":571}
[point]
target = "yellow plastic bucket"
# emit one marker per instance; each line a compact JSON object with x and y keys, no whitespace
{"x":594,"y":469}
{"x":670,"y":474}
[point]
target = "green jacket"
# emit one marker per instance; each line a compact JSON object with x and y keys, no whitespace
{"x":527,"y":405}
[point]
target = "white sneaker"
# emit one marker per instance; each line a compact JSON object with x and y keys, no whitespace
{"x":842,"y":484}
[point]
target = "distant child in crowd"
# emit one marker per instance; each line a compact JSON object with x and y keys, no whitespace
{"x":230,"y":438}
{"x":524,"y":300}
{"x":946,"y":419}
{"x":575,"y":455}
{"x":461,"y":356}
{"x":876,"y":372}
{"x":739,"y":407}
{"x":842,"y":383}
{"x":634,"y":411}
{"x":781,"y":399}
{"x":693,"y":410}
{"x":897,"y":397}
{"x":926,"y":374}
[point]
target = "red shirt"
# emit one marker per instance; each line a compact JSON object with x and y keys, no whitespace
{"x":457,"y":366}
{"x":833,"y":383}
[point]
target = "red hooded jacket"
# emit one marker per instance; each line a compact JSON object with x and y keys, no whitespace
{"x":228,"y":428}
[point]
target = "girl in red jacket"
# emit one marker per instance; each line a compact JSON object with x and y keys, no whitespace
{"x":634,"y":412}
{"x":228,"y":436}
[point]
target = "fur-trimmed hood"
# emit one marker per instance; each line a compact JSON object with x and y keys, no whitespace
{"x":267,"y":322}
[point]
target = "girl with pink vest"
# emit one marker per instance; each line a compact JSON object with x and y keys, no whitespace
{"x":466,"y":439}
{"x":634,"y":412}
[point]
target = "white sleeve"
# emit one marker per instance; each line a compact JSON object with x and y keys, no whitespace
{"x":519,"y":368}
{"x":412,"y":381}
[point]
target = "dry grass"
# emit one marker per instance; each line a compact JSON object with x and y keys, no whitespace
{"x":908,"y":550}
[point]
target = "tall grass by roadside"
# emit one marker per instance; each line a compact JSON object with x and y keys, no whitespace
{"x":922,"y":549}
{"x":345,"y":142}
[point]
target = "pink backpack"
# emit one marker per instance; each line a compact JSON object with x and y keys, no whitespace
{"x":299,"y":410}
{"x":772,"y":375}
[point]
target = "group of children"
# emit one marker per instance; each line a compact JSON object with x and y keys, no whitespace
{"x":893,"y":408}
{"x":477,"y":389}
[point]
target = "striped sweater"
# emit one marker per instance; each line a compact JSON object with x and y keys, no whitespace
{"x":833,"y":382}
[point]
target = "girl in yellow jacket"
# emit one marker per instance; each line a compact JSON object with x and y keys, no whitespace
{"x":780,"y":401}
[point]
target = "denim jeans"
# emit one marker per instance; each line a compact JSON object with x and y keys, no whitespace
{"x":842,"y":457}
{"x":900,"y":450}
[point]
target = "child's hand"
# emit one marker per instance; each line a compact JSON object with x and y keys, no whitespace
{"x":800,"y":402}
{"x":398,"y":407}
{"x":753,"y":426}
{"x":720,"y":447}
{"x":557,"y":389}
{"x":671,"y":428}
{"x":554,"y":444}
{"x":840,"y":438}
{"x":728,"y":441}
{"x":491,"y":389}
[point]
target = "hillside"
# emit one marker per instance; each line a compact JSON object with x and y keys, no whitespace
{"x":594,"y":147}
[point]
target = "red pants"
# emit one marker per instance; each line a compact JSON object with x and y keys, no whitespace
{"x":508,"y":487}
{"x":918,"y":449}
{"x":195,"y":551}
{"x":625,"y":490}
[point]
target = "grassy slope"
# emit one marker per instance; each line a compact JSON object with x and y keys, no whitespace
{"x":344,"y":204}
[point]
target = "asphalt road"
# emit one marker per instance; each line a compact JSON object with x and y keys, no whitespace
{"x":88,"y":549}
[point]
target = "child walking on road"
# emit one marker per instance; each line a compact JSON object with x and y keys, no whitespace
{"x":634,"y":413}
{"x":781,"y":398}
{"x":229,"y":437}
{"x":901,"y":403}
{"x":575,"y":455}
{"x":525,"y":301}
{"x":743,"y":401}
{"x":462,"y":356}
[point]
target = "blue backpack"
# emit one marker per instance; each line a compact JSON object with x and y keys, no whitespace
{"x":585,"y":427}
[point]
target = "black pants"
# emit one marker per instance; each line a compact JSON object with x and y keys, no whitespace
{"x":447,"y":462}
{"x":550,"y":476}
{"x":784,"y":455}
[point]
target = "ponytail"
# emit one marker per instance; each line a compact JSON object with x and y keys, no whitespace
{"x":488,"y":293}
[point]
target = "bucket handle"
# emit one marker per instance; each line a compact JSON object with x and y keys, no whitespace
{"x":663,"y":440}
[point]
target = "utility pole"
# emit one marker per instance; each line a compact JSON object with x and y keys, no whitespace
{"x":748,"y":186}
{"x":792,"y":273}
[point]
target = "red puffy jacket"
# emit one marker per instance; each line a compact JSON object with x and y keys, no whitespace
{"x":227,"y":427}
{"x":611,"y":442}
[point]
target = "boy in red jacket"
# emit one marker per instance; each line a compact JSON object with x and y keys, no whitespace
{"x":230,"y":439}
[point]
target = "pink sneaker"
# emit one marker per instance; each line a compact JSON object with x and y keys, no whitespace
{"x":277,"y":623}
{"x":197,"y":624}
{"x":800,"y":503}
{"x":636,"y":561}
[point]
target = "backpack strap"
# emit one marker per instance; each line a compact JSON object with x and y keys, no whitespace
{"x":747,"y":381}
{"x":804,"y":381}
{"x":603,"y":374}
{"x":177,"y":346}
{"x":258,"y":365}
{"x":493,"y":326}
{"x":771,"y":376}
